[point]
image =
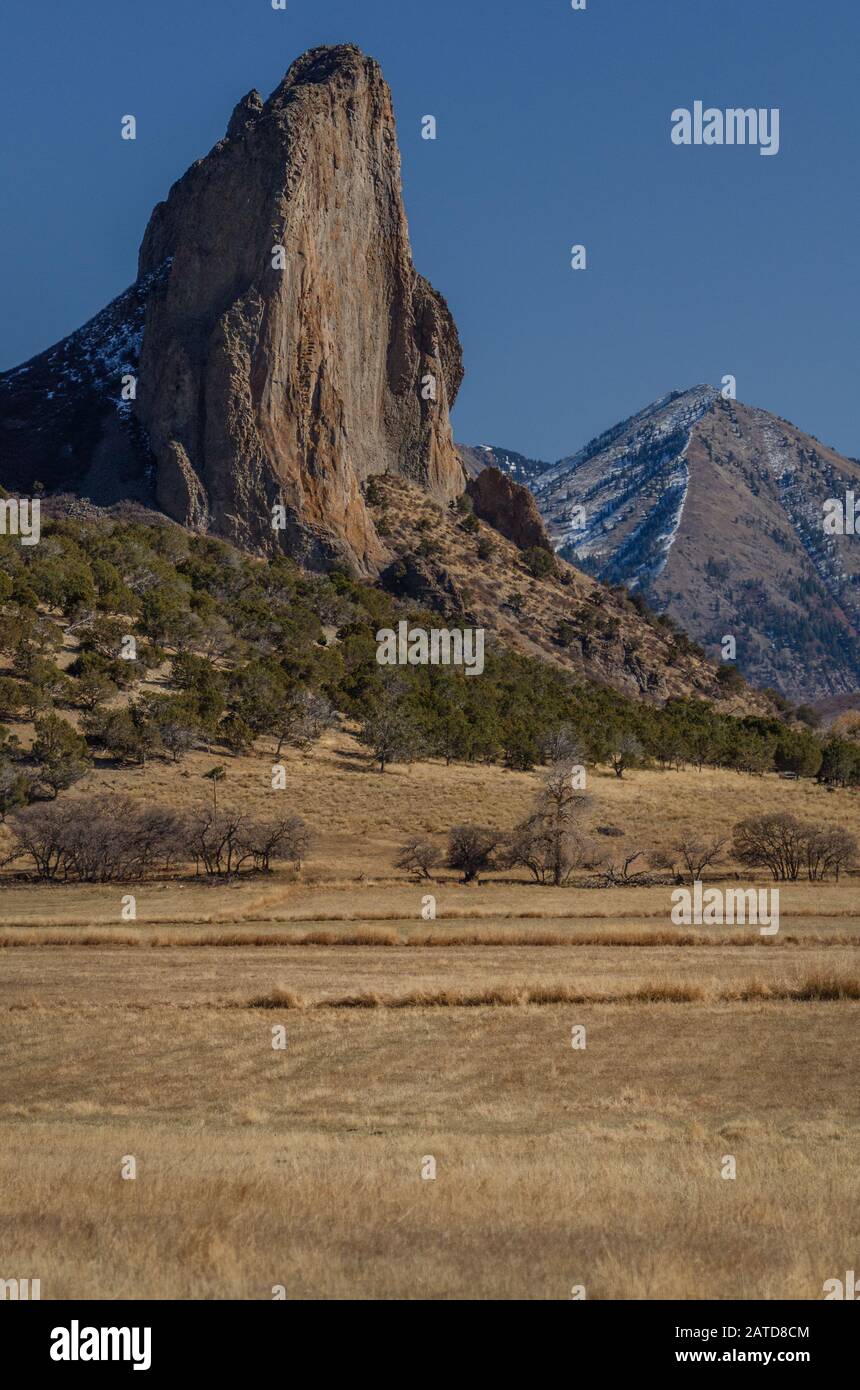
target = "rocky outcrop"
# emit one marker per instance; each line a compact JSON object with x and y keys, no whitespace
{"x":508,"y":507}
{"x":63,"y":421}
{"x":423,"y":581}
{"x":284,"y":346}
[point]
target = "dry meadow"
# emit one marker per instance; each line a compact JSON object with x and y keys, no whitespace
{"x":408,"y":1040}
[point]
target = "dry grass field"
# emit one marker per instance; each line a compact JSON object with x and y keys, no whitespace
{"x":555,"y":1166}
{"x":409,"y":1039}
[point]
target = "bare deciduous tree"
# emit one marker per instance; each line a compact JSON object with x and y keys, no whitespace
{"x":212,"y":839}
{"x":37,"y":835}
{"x":471,"y":849}
{"x":549,"y":843}
{"x":105,"y":839}
{"x":96,"y":839}
{"x":563,"y":746}
{"x":224,"y":841}
{"x":785,"y":845}
{"x":626,"y":752}
{"x":620,"y":875}
{"x":697,"y":854}
{"x":281,"y":837}
{"x":418,"y":855}
{"x":391,"y":736}
{"x":829,"y":851}
{"x":776,"y":841}
{"x":303,"y":720}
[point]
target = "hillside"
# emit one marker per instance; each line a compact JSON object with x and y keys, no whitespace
{"x":128,"y":642}
{"x":357,"y":820}
{"x":467,"y":570}
{"x":517,"y":466}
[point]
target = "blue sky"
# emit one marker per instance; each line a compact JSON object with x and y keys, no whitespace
{"x":553,"y":129}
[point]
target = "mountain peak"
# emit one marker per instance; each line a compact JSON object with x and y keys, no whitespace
{"x":713,"y":510}
{"x":283,"y":347}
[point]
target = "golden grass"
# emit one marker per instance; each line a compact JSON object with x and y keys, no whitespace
{"x":493,"y":996}
{"x":555,"y":1166}
{"x":405,"y":1039}
{"x":359,"y":817}
{"x":121,"y":976}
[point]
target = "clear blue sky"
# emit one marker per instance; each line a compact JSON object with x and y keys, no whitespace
{"x":553,"y":128}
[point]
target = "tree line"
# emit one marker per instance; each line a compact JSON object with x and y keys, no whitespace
{"x":552,"y":842}
{"x":109,"y":839}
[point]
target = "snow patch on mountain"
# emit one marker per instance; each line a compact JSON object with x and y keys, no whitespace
{"x":633,"y":480}
{"x":99,"y":353}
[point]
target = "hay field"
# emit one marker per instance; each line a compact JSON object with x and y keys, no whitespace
{"x":555,"y":1166}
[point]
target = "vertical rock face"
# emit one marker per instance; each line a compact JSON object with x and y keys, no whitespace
{"x":262,"y":385}
{"x":272,"y":376}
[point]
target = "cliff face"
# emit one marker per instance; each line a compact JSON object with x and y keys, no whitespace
{"x":285,"y":347}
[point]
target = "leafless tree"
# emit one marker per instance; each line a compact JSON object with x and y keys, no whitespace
{"x":38,"y":835}
{"x":550,"y":843}
{"x":391,"y":736}
{"x":829,"y":851}
{"x":471,"y":849}
{"x":550,"y":853}
{"x":776,"y":841}
{"x":96,"y":839}
{"x":625,"y":752}
{"x":563,"y":746}
{"x":699,"y":853}
{"x":620,"y":875}
{"x":418,"y":855}
{"x":281,"y":837}
{"x":223,"y":842}
{"x":212,"y":840}
{"x":178,"y":736}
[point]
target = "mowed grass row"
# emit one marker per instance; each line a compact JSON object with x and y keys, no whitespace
{"x":36,"y":937}
{"x":271,"y":907}
{"x":122,"y":976}
{"x":817,"y":988}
